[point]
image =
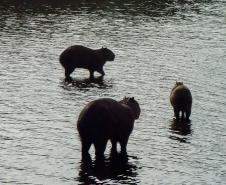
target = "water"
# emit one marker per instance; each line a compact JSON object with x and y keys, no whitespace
{"x":155,"y":45}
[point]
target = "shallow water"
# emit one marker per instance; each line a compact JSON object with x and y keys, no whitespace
{"x":155,"y":45}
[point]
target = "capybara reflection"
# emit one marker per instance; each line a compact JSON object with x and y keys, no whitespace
{"x":107,"y":119}
{"x":82,"y":57}
{"x":181,"y":100}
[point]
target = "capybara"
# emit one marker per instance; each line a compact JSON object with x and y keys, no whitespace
{"x":107,"y":119}
{"x":82,"y":57}
{"x":181,"y":100}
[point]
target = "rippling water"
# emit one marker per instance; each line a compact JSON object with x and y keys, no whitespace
{"x":155,"y":45}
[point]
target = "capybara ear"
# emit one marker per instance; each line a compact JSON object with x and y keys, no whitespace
{"x":179,"y":83}
{"x":130,"y":99}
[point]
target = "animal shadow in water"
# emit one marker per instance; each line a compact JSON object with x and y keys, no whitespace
{"x":115,"y":167}
{"x":180,"y":129}
{"x":97,"y":82}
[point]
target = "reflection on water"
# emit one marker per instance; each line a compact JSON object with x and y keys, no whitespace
{"x":154,"y":8}
{"x":115,"y":168}
{"x":86,"y":83}
{"x":180,"y":129}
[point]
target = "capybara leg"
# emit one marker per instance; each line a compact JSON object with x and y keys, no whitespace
{"x":123,"y":144}
{"x":91,"y":74}
{"x":176,"y":113}
{"x":100,"y":146}
{"x":188,"y":113}
{"x":85,"y":148}
{"x":114,"y":146}
{"x":101,"y":71}
{"x":67,"y":74}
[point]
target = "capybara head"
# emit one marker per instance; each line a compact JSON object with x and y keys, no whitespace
{"x":177,"y":84}
{"x":133,"y":104}
{"x":107,"y":54}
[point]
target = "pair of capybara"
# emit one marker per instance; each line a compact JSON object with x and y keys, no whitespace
{"x":106,"y":119}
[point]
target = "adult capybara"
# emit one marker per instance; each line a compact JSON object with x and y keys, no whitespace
{"x":82,"y":57}
{"x":181,"y":100}
{"x":105,"y":119}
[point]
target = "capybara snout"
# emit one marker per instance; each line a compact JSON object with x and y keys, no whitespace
{"x":108,"y":55}
{"x":181,"y":100}
{"x":107,"y":119}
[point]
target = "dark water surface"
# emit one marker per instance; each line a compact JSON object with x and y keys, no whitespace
{"x":155,"y":45}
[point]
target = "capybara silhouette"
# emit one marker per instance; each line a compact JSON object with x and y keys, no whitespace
{"x":82,"y":57}
{"x":107,"y":119}
{"x":181,"y":100}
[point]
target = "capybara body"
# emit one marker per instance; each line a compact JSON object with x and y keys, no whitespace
{"x":82,"y":57}
{"x":106,"y":119}
{"x":181,"y":100}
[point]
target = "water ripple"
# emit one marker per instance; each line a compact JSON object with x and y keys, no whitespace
{"x":156,"y":43}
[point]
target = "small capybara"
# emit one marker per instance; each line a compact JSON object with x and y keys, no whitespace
{"x":181,"y":100}
{"x":82,"y":57}
{"x":107,"y":119}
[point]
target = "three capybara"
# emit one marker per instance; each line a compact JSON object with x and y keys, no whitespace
{"x":107,"y":119}
{"x":82,"y":57}
{"x":181,"y":100}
